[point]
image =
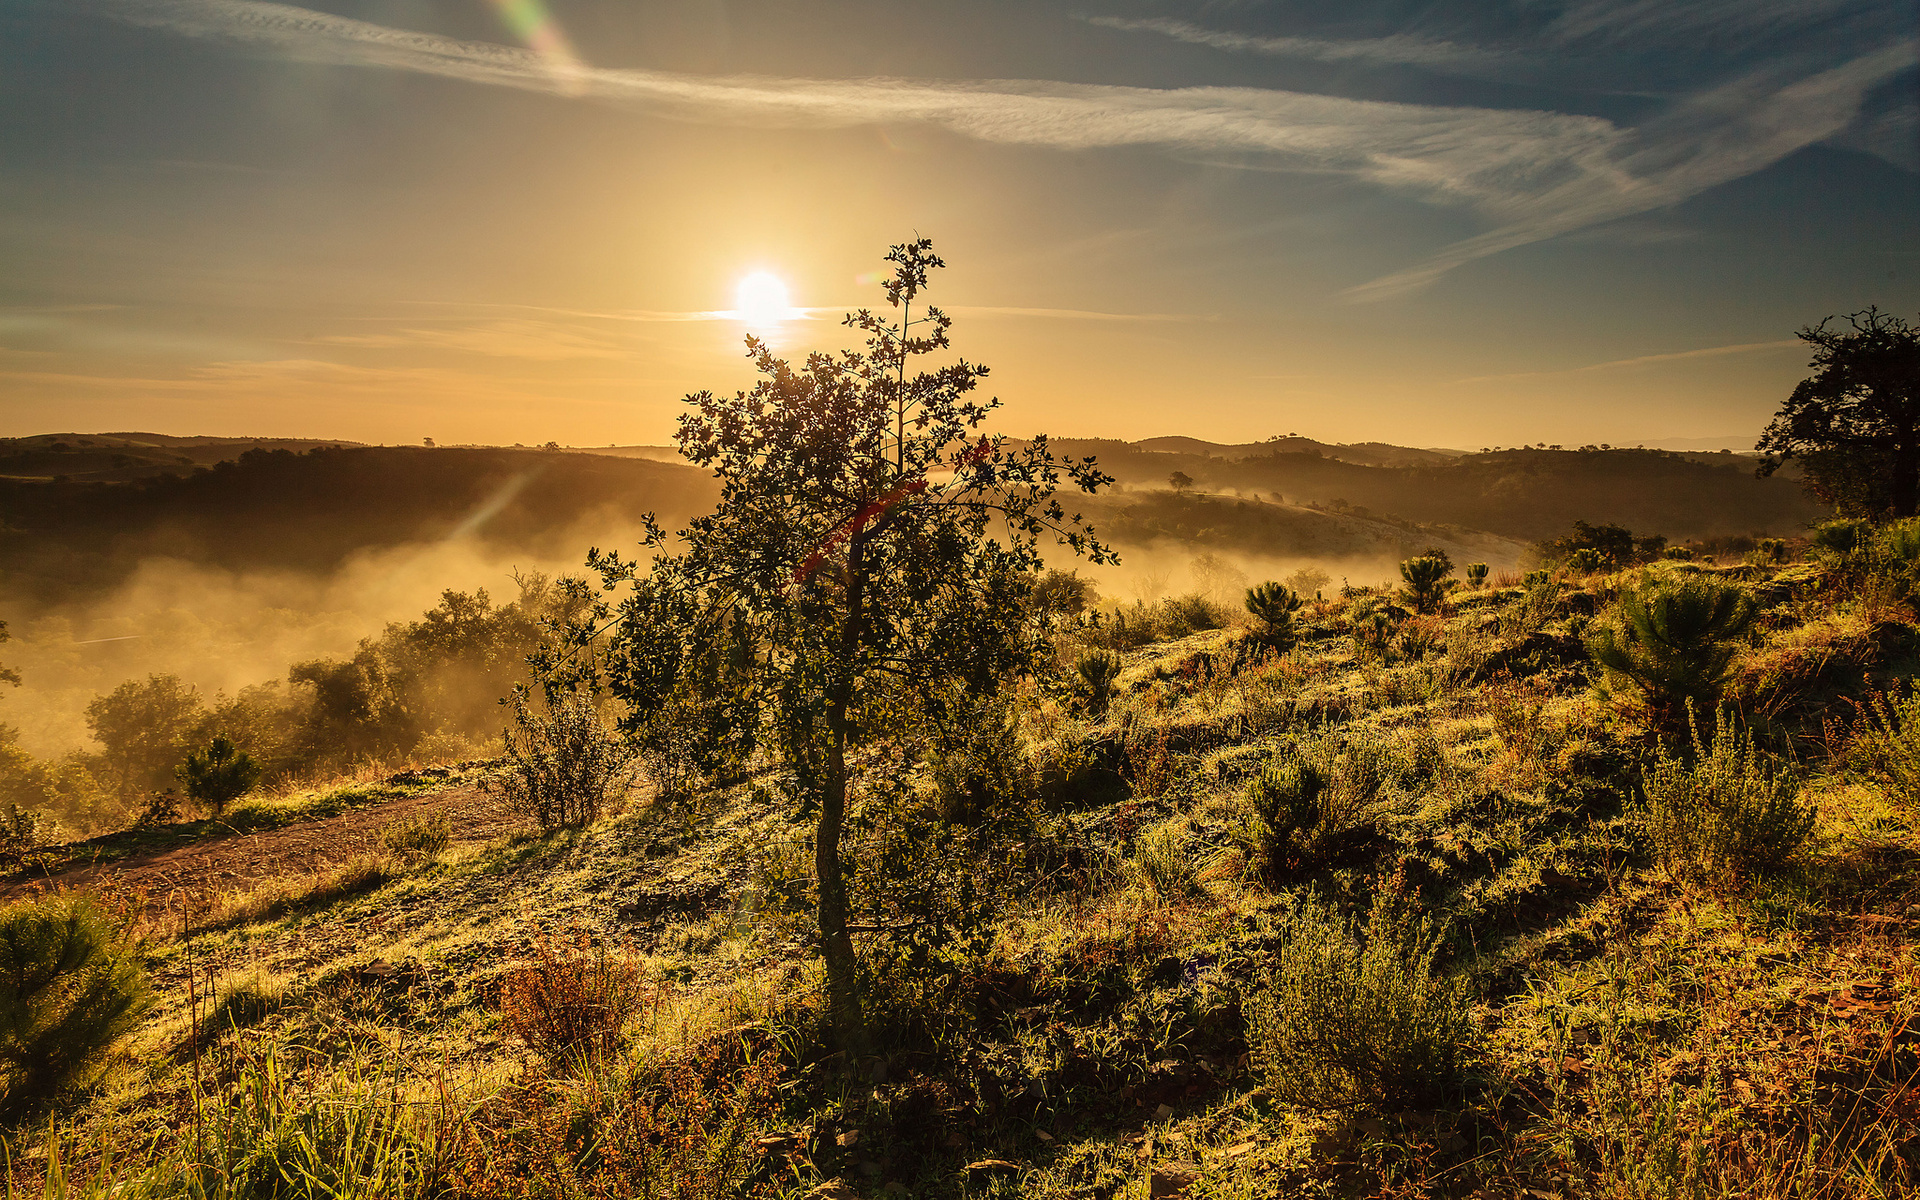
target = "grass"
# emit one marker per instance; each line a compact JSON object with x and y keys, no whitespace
{"x":1135,"y":994}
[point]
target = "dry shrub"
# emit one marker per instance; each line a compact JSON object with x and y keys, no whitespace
{"x":571,"y":1003}
{"x":684,"y":1129}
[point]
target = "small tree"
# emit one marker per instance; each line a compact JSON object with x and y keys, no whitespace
{"x":1476,"y":575}
{"x":219,"y":775}
{"x":1673,"y":642}
{"x":71,"y":984}
{"x":1426,"y":579}
{"x":1180,"y":481}
{"x":879,"y":548}
{"x":1273,"y":606}
{"x":1855,"y":423}
{"x":1099,"y":671}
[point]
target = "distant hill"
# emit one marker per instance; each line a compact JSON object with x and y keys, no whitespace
{"x":1526,"y":494}
{"x":119,"y":457}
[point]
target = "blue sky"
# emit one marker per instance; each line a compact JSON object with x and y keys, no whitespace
{"x":1440,"y":225}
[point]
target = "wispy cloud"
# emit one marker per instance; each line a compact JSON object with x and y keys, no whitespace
{"x":1640,"y":361}
{"x":1393,"y":50}
{"x":1536,"y":174}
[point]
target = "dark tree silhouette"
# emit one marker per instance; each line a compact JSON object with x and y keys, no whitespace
{"x":1855,"y":423}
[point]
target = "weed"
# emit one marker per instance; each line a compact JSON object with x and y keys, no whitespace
{"x":418,"y":837}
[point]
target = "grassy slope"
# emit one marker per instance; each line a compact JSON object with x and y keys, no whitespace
{"x":1636,"y":1036}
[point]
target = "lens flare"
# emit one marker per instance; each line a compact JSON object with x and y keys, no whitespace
{"x":761,"y":300}
{"x":530,"y":21}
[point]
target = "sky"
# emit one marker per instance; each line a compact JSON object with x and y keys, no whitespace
{"x":499,"y":221}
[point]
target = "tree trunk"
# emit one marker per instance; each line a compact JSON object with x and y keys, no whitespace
{"x":1905,"y":486}
{"x":836,"y":944}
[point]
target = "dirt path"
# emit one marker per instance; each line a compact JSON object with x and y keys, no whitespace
{"x":198,"y":874}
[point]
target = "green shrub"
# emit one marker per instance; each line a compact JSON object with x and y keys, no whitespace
{"x":1373,"y":635}
{"x":219,"y":775}
{"x":1586,"y":561}
{"x":1286,"y":803}
{"x":1840,"y":538}
{"x":71,"y":983}
{"x":1887,"y":747}
{"x":1272,"y":606}
{"x":1673,"y":642}
{"x":1426,"y":580}
{"x":1099,"y":671}
{"x":564,"y":767}
{"x":1347,"y":1018}
{"x":979,"y":764}
{"x":1189,"y":614}
{"x":1717,"y":817}
{"x":1476,"y":575}
{"x":418,"y":837}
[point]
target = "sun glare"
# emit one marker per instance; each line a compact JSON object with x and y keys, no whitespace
{"x":761,"y":300}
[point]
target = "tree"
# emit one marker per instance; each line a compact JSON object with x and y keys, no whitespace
{"x":219,"y":775}
{"x":1180,"y":481}
{"x":143,"y":726}
{"x":1855,"y":423}
{"x":876,"y":546}
{"x":7,"y":674}
{"x":1673,"y":642}
{"x":1426,"y":580}
{"x":1273,"y":605}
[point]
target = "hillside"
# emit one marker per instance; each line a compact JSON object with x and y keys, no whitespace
{"x":1525,"y":494}
{"x":1074,"y":985}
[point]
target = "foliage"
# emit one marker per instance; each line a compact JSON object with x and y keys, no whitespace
{"x":571,"y":1004}
{"x":1673,"y":641}
{"x":1349,"y":1018}
{"x":1427,"y":583}
{"x":1098,"y":671}
{"x":1840,"y":538}
{"x":563,"y":767}
{"x":1855,"y":422}
{"x":878,"y":547}
{"x":144,"y":727}
{"x":1273,"y":606}
{"x":1887,"y":745}
{"x":1719,"y":817}
{"x":1476,"y":575}
{"x":1163,"y":855}
{"x":1179,"y":481}
{"x":1286,"y":814}
{"x":218,"y":775}
{"x":978,"y":762}
{"x":1307,"y":581}
{"x":71,"y":984}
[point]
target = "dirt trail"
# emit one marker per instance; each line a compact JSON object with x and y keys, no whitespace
{"x":198,"y":874}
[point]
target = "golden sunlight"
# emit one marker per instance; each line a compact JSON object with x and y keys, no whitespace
{"x":761,"y":300}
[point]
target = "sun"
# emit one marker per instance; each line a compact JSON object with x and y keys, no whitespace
{"x":761,"y":300}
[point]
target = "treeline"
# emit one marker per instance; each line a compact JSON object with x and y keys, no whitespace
{"x":430,"y":687}
{"x":285,"y":510}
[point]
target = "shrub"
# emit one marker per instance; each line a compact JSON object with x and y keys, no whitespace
{"x":1373,"y":635}
{"x":571,"y":1007}
{"x":1164,"y":859}
{"x":1887,"y":747}
{"x":1476,"y":575}
{"x":1273,"y":606}
{"x":71,"y":983}
{"x":162,"y":808}
{"x":1350,"y":1019}
{"x":1718,"y":817}
{"x":1099,"y":671}
{"x":1419,"y":636}
{"x":979,"y":764}
{"x":1840,"y":538}
{"x":1189,"y":614}
{"x":418,"y":837}
{"x":1286,"y":813}
{"x":219,"y":775}
{"x":1426,"y":580}
{"x":1585,"y":561}
{"x":564,"y":766}
{"x":1673,"y":642}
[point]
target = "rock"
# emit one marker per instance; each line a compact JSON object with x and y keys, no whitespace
{"x":1163,"y":1112}
{"x":850,"y":1138}
{"x":1173,"y":1179}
